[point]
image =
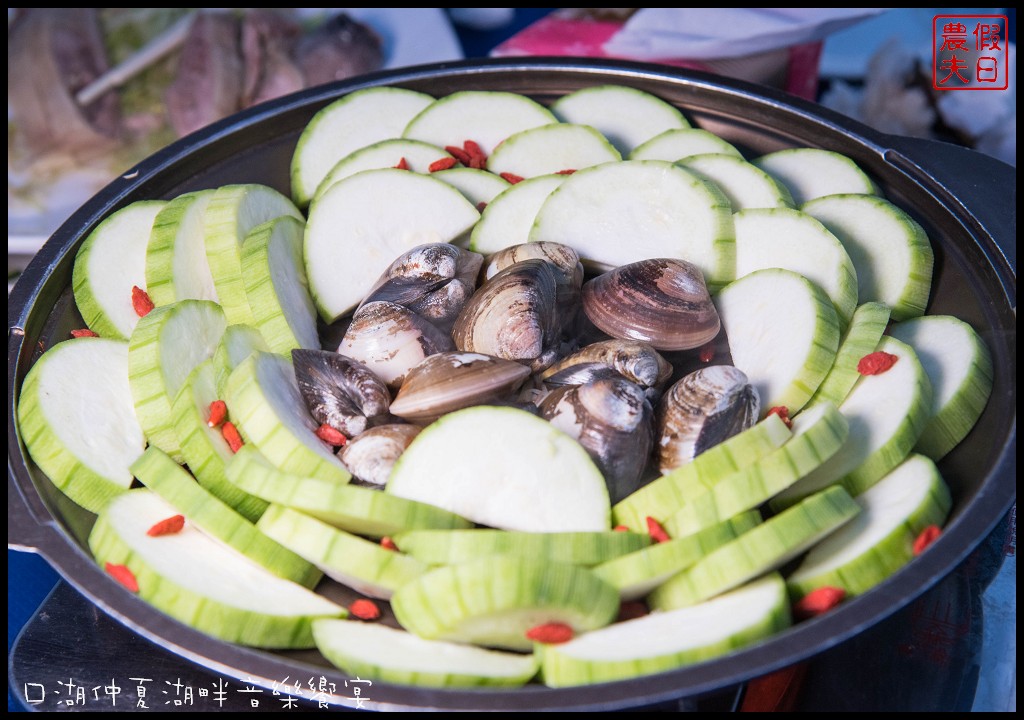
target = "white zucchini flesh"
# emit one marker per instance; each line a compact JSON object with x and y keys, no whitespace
{"x":860,"y":338}
{"x":790,"y":239}
{"x":238,"y":343}
{"x":477,"y":186}
{"x":77,"y":419}
{"x":783,"y":333}
{"x":879,"y":540}
{"x":379,"y":652}
{"x":176,"y":264}
{"x":887,"y":414}
{"x":202,"y":582}
{"x":959,"y":366}
{"x":674,"y":145}
{"x":760,"y":550}
{"x":508,"y":218}
{"x":515,"y":471}
{"x":110,"y":262}
{"x":889,"y":249}
{"x":363,"y":565}
{"x":157,"y":471}
{"x":276,"y":286}
{"x":203,"y":448}
{"x":662,"y":641}
{"x":233,"y":211}
{"x":744,"y":184}
{"x":811,"y":173}
{"x":264,"y":400}
{"x":386,"y":154}
{"x":164,"y":348}
{"x":360,"y":225}
{"x":626,"y":116}
{"x":550,"y":149}
{"x":485,"y":117}
{"x":359,"y":119}
{"x":618,"y":213}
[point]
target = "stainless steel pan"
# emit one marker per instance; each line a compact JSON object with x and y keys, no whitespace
{"x":965,"y":201}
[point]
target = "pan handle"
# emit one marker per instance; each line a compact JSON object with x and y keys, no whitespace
{"x":969,"y":179}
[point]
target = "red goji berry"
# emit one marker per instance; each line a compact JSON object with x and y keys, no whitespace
{"x":84,"y":332}
{"x":402,"y":165}
{"x":783,"y":412}
{"x":477,"y":158}
{"x":232,"y":436}
{"x":387,"y":543}
{"x":569,"y":171}
{"x":929,"y":535}
{"x":480,"y":206}
{"x":167,"y":526}
{"x":818,"y":602}
{"x":141,"y":302}
{"x":553,"y":633}
{"x":218,"y":413}
{"x":620,"y":528}
{"x":459,"y":154}
{"x":707,"y":352}
{"x":511,"y":178}
{"x":656,"y":531}
{"x":331,"y":436}
{"x":631,"y":610}
{"x":123,"y":575}
{"x":442,"y":164}
{"x":364,"y":609}
{"x":876,"y":363}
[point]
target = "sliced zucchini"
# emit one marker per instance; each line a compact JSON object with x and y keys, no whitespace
{"x":477,"y":186}
{"x":508,"y":218}
{"x":551,"y":149}
{"x":176,"y":264}
{"x":418,"y":156}
{"x":811,"y":173}
{"x":674,"y":145}
{"x":860,"y":338}
{"x":238,"y":343}
{"x":745,"y":185}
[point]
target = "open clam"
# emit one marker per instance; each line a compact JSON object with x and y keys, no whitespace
{"x":663,"y":301}
{"x":371,"y":455}
{"x":390,"y":339}
{"x":450,"y":381}
{"x":340,"y":391}
{"x":704,"y":408}
{"x":613,"y":421}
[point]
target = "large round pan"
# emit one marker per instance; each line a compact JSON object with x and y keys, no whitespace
{"x":964,"y":200}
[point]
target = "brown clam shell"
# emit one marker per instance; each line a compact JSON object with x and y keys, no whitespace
{"x":450,"y":381}
{"x":636,"y":361}
{"x":371,"y":455}
{"x":340,"y":391}
{"x":663,"y":302}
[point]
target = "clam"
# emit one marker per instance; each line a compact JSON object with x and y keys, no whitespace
{"x":636,"y":361}
{"x":561,"y":256}
{"x":664,"y":302}
{"x":390,"y":339}
{"x":612,"y":419}
{"x":340,"y":391}
{"x":433,"y":280}
{"x":704,"y":408}
{"x":371,"y":455}
{"x":514,"y":315}
{"x":451,"y":381}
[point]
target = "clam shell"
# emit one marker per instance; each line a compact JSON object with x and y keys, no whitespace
{"x":514,"y":315}
{"x":451,"y":381}
{"x":390,"y":339}
{"x":704,"y":408}
{"x":371,"y":455}
{"x":663,"y":301}
{"x":340,"y":391}
{"x":563,"y":257}
{"x":636,"y":361}
{"x":613,"y":421}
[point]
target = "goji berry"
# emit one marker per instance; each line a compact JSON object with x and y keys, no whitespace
{"x":480,"y":206}
{"x":620,"y":528}
{"x":818,"y":602}
{"x":167,"y":526}
{"x":141,"y":302}
{"x":553,"y":633}
{"x":876,"y":363}
{"x":929,"y":535}
{"x":511,"y":178}
{"x":477,"y":158}
{"x":442,"y":164}
{"x":218,"y":413}
{"x":783,"y":412}
{"x":656,"y":531}
{"x":387,"y":543}
{"x":232,"y":436}
{"x":331,"y":436}
{"x":84,"y":332}
{"x":402,"y":165}
{"x":123,"y":575}
{"x":459,"y":154}
{"x":569,"y":171}
{"x":707,"y":352}
{"x":364,"y":609}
